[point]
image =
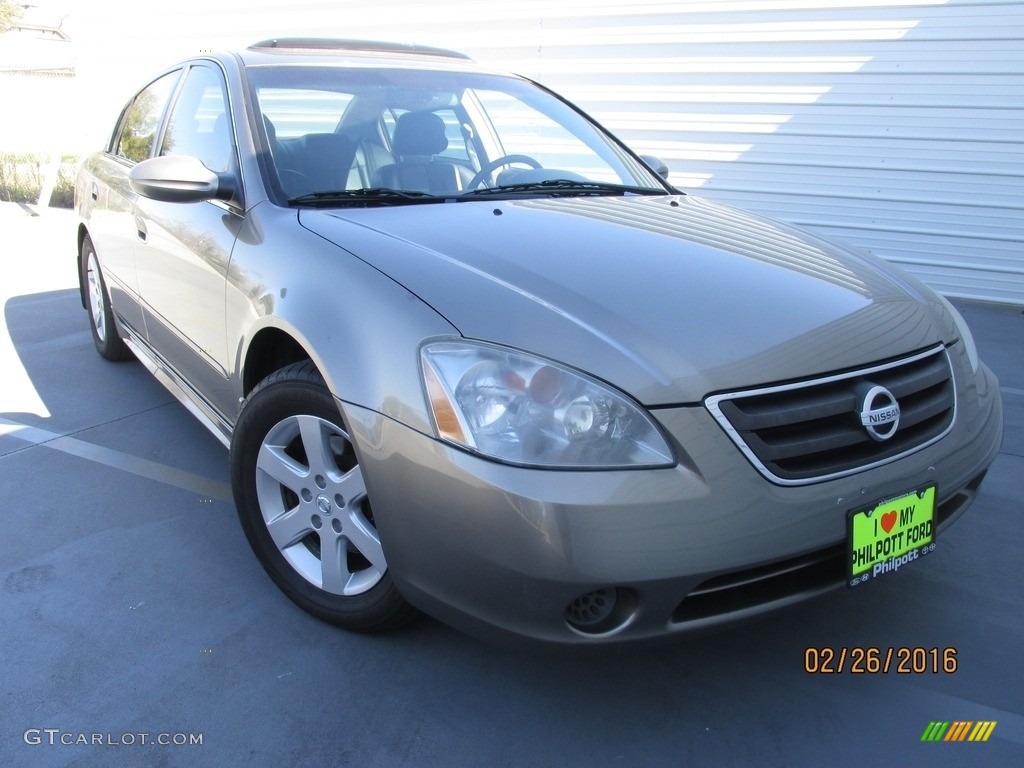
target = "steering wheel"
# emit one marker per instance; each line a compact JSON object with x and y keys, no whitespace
{"x":492,"y":166}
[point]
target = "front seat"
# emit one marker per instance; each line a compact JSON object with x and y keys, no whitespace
{"x":419,"y":137}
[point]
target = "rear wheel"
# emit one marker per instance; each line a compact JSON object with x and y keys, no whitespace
{"x":101,"y":315}
{"x":303,"y":504}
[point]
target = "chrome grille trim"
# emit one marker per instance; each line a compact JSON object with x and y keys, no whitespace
{"x":933,"y":416}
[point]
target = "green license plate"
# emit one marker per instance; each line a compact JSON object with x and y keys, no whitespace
{"x":890,"y":535}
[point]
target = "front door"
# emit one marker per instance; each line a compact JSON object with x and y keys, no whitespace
{"x":185,"y":248}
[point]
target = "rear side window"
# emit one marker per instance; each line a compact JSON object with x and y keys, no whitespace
{"x":141,"y":121}
{"x":199,"y":124}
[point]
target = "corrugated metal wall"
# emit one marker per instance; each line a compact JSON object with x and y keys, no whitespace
{"x":895,"y":127}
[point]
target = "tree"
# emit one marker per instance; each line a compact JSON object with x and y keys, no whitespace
{"x":9,"y":14}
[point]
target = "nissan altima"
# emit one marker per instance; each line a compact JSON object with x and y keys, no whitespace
{"x":472,"y":356}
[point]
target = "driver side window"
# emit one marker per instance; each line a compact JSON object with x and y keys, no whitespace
{"x":199,"y":125}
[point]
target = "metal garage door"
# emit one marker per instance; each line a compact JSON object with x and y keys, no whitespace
{"x":895,"y":127}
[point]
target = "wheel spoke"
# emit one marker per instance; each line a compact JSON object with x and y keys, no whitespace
{"x":281,"y":467}
{"x":314,"y":441}
{"x":353,"y":487}
{"x":365,"y":538}
{"x":334,"y":564}
{"x":290,"y":527}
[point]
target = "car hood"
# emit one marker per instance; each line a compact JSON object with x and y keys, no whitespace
{"x":669,"y":298}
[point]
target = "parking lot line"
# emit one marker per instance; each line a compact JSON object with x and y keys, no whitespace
{"x":125,"y":462}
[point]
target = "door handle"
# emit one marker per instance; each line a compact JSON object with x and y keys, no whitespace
{"x":95,"y":191}
{"x":140,"y":229}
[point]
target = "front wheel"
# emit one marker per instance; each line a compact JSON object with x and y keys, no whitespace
{"x":303,"y":504}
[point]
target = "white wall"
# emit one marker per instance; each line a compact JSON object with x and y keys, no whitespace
{"x":895,"y":127}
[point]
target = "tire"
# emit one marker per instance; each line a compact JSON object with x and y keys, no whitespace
{"x":105,"y":335}
{"x":300,"y":493}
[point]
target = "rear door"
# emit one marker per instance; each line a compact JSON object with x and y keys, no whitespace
{"x":109,"y":203}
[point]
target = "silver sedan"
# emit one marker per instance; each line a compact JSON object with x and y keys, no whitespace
{"x":472,"y":356}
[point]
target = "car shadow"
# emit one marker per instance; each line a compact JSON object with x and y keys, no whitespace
{"x":54,"y":356}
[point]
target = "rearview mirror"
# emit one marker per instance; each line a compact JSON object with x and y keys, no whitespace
{"x":656,"y":165}
{"x":180,"y":179}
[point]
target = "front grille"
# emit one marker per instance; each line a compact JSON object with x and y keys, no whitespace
{"x":811,"y":431}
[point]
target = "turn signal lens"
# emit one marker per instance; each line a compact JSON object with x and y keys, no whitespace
{"x":446,"y":420}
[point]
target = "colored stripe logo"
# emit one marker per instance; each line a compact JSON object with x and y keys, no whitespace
{"x":959,"y":730}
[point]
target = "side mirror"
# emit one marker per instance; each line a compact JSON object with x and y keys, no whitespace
{"x":179,"y":179}
{"x":656,"y":165}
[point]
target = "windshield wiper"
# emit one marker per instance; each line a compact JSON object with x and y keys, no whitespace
{"x":563,"y":188}
{"x":365,"y":196}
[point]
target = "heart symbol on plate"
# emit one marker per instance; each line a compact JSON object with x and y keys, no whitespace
{"x":889,"y":521}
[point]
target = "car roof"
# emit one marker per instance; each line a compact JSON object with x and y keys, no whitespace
{"x":315,"y":51}
{"x":341,"y":45}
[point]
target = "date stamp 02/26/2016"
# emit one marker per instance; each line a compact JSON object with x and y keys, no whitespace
{"x":857,"y":660}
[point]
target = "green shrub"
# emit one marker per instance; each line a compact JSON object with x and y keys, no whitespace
{"x":21,"y":179}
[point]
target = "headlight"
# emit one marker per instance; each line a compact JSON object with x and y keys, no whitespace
{"x":520,"y":409}
{"x":965,"y":333}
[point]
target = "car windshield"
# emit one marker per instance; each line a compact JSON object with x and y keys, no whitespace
{"x":381,"y":136}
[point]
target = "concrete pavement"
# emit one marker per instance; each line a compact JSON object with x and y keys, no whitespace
{"x":133,"y":612}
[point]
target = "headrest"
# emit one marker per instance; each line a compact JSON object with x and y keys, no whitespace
{"x":420,"y":133}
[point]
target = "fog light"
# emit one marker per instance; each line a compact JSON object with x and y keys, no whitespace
{"x":601,"y":610}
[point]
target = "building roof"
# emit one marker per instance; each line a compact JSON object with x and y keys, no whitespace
{"x":37,"y":45}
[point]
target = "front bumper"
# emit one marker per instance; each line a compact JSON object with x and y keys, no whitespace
{"x":498,"y":550}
